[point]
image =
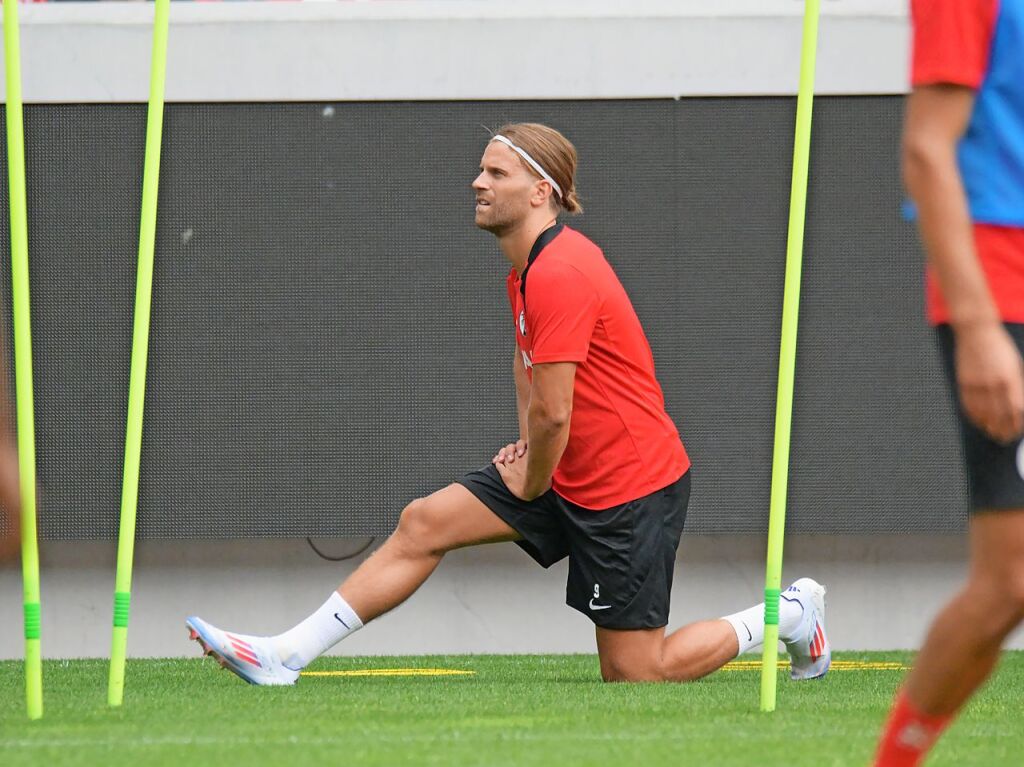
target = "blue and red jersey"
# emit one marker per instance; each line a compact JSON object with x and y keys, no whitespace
{"x":979,"y":44}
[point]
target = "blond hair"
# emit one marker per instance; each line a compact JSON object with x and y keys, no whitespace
{"x":554,"y":153}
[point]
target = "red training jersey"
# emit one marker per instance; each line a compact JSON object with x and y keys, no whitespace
{"x":953,"y":43}
{"x":569,"y":306}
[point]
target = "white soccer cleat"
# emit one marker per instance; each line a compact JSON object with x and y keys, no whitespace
{"x":810,"y":654}
{"x":252,"y":658}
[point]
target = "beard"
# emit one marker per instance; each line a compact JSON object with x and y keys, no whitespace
{"x":498,"y":218}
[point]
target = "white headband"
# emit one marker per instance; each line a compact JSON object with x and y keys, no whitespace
{"x":531,"y":162}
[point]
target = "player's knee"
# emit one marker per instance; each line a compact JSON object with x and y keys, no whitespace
{"x":414,"y":523}
{"x":420,"y":527}
{"x":1016,"y":593}
{"x":995,"y":601}
{"x":619,"y":670}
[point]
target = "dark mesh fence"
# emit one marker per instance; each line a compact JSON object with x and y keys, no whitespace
{"x":330,"y":337}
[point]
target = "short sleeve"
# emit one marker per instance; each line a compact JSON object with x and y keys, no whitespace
{"x":562,"y":309}
{"x":952,"y":41}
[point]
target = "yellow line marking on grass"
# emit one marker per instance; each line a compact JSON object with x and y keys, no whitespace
{"x":393,"y":672}
{"x":837,"y":665}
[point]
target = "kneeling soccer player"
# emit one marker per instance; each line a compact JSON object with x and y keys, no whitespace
{"x":599,"y":473}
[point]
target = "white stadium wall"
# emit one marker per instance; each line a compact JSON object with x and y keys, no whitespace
{"x":459,"y":50}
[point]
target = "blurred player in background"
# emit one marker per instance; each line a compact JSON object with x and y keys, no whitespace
{"x":598,"y":475}
{"x":10,"y":492}
{"x":10,"y":499}
{"x":963,"y":160}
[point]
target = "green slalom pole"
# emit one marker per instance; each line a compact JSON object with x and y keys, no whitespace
{"x":140,"y":353}
{"x":787,"y":357}
{"x":23,"y":363}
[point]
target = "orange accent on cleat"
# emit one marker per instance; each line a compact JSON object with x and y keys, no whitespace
{"x":193,"y":634}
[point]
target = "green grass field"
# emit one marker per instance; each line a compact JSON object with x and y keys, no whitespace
{"x":514,"y":710}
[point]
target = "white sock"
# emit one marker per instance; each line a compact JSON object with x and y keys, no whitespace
{"x":749,"y":627}
{"x":334,"y":621}
{"x":749,"y":624}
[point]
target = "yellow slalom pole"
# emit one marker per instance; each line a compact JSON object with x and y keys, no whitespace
{"x":23,"y":363}
{"x":787,"y":357}
{"x":140,"y":353}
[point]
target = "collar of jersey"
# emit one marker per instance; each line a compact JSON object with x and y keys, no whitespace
{"x":542,"y":242}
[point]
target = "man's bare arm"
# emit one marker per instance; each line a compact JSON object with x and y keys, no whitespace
{"x":990,"y":374}
{"x":548,"y":417}
{"x":936,"y":118}
{"x":511,"y":452}
{"x":522,"y":392}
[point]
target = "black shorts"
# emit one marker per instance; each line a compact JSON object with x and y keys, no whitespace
{"x":995,"y":472}
{"x":620,"y":559}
